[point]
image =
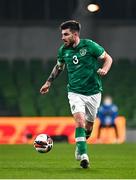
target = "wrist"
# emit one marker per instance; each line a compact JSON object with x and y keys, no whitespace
{"x":48,"y":82}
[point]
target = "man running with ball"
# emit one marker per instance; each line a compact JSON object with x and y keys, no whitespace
{"x":84,"y":81}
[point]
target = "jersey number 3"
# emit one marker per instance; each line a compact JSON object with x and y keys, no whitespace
{"x":75,"y":59}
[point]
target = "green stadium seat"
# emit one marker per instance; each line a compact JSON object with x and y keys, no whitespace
{"x":21,"y":80}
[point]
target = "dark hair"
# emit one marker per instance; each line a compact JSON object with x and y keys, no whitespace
{"x":72,"y":25}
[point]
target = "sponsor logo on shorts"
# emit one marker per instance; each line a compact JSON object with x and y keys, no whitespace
{"x":73,"y":107}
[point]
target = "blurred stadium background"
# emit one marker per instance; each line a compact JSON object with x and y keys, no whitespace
{"x":29,"y":39}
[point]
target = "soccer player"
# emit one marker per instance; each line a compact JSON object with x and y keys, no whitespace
{"x":84,"y":81}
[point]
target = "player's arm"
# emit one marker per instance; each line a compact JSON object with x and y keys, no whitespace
{"x":58,"y":68}
{"x":106,"y":65}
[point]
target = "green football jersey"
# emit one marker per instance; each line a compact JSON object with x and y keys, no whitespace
{"x":82,"y":65}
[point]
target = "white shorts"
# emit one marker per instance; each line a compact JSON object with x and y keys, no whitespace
{"x":86,"y":104}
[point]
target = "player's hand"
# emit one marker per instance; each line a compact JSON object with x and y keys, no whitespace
{"x":101,"y":72}
{"x":45,"y":88}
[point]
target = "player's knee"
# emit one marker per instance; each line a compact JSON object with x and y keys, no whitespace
{"x":80,"y":124}
{"x":79,"y":119}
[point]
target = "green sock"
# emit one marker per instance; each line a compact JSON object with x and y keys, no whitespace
{"x":81,"y":140}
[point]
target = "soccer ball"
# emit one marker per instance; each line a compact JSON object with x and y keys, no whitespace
{"x":43,"y":143}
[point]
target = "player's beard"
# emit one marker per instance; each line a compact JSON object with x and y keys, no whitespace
{"x":70,"y":43}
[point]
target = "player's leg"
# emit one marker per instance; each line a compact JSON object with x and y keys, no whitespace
{"x":81,"y":138}
{"x":78,"y":111}
{"x":80,"y":135}
{"x":90,"y":117}
{"x":88,"y":128}
{"x":91,"y":108}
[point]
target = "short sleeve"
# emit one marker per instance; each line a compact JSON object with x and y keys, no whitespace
{"x":60,"y":59}
{"x":96,"y":50}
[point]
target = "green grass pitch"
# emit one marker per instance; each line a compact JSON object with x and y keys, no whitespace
{"x":107,"y":162}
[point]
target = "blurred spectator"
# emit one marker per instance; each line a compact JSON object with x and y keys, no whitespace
{"x":107,"y":114}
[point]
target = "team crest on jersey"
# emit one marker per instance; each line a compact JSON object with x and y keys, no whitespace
{"x":83,"y":52}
